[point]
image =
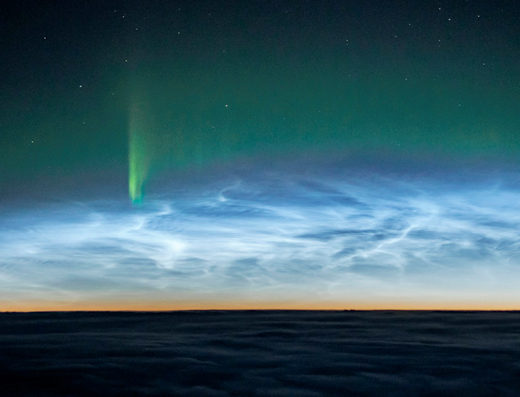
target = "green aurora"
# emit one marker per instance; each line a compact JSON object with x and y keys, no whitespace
{"x":153,"y":93}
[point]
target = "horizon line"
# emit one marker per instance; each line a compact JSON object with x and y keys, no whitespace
{"x":253,"y":310}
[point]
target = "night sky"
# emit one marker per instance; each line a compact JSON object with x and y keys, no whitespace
{"x":259,"y":154}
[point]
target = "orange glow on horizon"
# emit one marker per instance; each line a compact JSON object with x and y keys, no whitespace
{"x":169,"y":306}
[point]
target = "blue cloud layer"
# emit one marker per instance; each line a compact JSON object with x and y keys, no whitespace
{"x":279,"y":239}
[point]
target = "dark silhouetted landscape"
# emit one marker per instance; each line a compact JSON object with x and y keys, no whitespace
{"x":263,"y":353}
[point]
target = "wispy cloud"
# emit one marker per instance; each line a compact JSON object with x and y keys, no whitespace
{"x":302,"y":239}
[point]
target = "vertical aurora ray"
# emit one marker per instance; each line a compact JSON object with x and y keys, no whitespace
{"x":138,"y":156}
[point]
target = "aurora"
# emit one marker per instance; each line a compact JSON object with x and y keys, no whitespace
{"x":138,"y":156}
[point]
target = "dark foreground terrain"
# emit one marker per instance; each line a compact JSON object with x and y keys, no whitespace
{"x":264,"y":353}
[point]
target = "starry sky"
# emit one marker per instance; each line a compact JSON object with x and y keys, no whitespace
{"x":260,"y":154}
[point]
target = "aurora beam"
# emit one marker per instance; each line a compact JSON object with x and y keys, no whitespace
{"x":138,"y":157}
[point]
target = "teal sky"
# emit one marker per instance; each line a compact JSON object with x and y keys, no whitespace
{"x":205,"y":84}
{"x":135,"y":111}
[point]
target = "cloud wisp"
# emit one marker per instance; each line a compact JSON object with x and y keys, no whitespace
{"x":304,"y":240}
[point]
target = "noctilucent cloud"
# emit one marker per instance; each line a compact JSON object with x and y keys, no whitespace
{"x":261,"y":155}
{"x":282,"y":240}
